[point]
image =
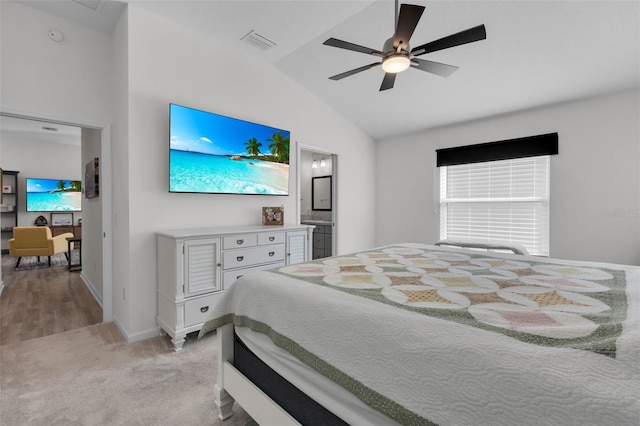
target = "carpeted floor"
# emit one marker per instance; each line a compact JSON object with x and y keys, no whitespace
{"x":90,"y":376}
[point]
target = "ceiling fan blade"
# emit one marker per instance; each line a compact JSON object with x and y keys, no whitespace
{"x":352,"y":72}
{"x":334,"y":42}
{"x":463,"y":37}
{"x":443,"y":70}
{"x":387,"y":81}
{"x":407,"y":21}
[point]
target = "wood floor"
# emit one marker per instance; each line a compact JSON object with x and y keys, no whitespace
{"x":41,"y":302}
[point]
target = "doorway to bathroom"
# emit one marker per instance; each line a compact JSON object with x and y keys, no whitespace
{"x":317,"y":186}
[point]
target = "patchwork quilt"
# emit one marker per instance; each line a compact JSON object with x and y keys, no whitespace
{"x":433,"y":335}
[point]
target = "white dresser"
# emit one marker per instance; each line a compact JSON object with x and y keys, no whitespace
{"x":195,"y":266}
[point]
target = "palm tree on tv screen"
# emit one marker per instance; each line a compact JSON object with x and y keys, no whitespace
{"x":76,"y":185}
{"x":253,"y":147}
{"x":61,"y":185}
{"x":279,"y":147}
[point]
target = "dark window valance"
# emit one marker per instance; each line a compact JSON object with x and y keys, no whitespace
{"x":531,"y":146}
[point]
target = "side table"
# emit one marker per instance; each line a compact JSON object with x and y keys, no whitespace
{"x":70,"y":244}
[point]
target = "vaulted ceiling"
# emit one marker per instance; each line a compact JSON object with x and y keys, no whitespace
{"x":536,"y":52}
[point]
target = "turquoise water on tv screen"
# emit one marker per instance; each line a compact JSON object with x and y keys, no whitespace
{"x":54,"y":202}
{"x":197,"y":172}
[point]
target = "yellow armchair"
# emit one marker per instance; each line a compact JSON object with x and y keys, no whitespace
{"x":37,"y":241}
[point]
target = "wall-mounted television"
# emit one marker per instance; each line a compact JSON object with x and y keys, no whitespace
{"x":53,"y":195}
{"x":215,"y":154}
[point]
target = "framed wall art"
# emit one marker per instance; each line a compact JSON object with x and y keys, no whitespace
{"x":61,"y":219}
{"x":92,"y":178}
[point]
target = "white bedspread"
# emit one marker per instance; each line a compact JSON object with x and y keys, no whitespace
{"x":419,"y":369}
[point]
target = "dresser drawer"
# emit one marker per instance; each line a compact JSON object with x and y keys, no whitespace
{"x":230,"y":277}
{"x":239,"y":241}
{"x":252,"y":256}
{"x":271,"y":238}
{"x":197,"y":310}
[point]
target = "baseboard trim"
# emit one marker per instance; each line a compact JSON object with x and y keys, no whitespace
{"x":121,"y":329}
{"x":136,"y":337}
{"x":143,"y":335}
{"x":87,"y":282}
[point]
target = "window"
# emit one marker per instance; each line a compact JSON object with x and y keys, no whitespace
{"x":497,"y":201}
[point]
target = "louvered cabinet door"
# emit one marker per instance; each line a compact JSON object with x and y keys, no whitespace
{"x":297,"y":247}
{"x":202,"y":266}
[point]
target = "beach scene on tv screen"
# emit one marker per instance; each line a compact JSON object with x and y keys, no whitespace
{"x":216,"y":154}
{"x":53,"y":195}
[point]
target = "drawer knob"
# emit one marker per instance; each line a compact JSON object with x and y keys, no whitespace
{"x":204,"y":309}
{"x":239,"y":242}
{"x":272,"y":238}
{"x":239,"y":276}
{"x":240,"y":258}
{"x":271,"y":253}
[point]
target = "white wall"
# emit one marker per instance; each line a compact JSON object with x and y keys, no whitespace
{"x":120,"y":173}
{"x":68,"y":80}
{"x":92,"y":224}
{"x":168,"y":63}
{"x":595,"y":179}
{"x":306,"y":172}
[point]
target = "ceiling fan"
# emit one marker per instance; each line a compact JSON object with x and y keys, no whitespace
{"x":396,"y":54}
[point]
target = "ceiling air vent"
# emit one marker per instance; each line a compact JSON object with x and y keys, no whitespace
{"x":256,"y":40}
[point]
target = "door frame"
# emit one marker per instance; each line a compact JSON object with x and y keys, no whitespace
{"x":334,"y":187}
{"x":105,"y":194}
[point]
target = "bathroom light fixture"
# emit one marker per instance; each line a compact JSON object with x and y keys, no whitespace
{"x":323,"y":163}
{"x":314,"y":164}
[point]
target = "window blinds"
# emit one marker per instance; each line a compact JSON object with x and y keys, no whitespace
{"x":497,"y":201}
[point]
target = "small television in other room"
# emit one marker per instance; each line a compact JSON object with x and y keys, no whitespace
{"x":211,"y":153}
{"x":53,"y":195}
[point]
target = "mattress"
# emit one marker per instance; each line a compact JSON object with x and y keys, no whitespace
{"x":323,"y":391}
{"x":430,"y":335}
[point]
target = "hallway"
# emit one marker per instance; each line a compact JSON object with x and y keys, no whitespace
{"x":41,"y":302}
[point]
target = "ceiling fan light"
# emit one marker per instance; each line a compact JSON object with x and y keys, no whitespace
{"x":396,"y":63}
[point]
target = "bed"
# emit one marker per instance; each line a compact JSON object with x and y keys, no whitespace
{"x":418,"y":334}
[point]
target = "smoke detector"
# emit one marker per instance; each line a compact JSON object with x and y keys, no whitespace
{"x":55,"y":35}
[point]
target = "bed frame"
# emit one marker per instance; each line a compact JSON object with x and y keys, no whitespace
{"x":245,"y":379}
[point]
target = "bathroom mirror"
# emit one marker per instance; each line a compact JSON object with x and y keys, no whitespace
{"x":321,"y":193}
